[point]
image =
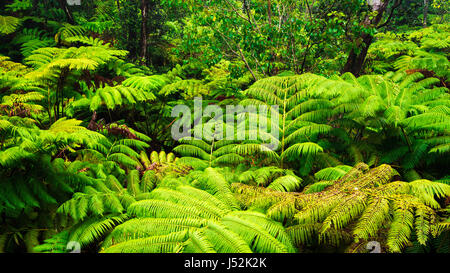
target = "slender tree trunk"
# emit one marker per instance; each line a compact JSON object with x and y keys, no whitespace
{"x":144,"y":32}
{"x":356,"y":59}
{"x":272,"y":53}
{"x":308,"y":10}
{"x":63,"y":5}
{"x":269,"y":11}
{"x":425,"y":12}
{"x":308,"y":46}
{"x":60,"y":93}
{"x":246,"y":63}
{"x":34,"y":5}
{"x":407,"y":140}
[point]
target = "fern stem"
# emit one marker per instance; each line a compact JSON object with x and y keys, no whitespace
{"x":146,"y":120}
{"x":212,"y":149}
{"x":49,"y":106}
{"x":3,"y":142}
{"x":407,"y":140}
{"x":284,"y":125}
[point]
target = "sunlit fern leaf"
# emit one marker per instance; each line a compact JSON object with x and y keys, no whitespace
{"x":441,"y":149}
{"x":8,"y":24}
{"x":332,"y":173}
{"x":263,"y":176}
{"x":195,"y":163}
{"x":225,"y":240}
{"x":94,"y":229}
{"x":123,"y":68}
{"x":424,"y":219}
{"x":55,"y":244}
{"x":88,"y":40}
{"x":164,"y":209}
{"x":98,"y":26}
{"x":171,"y":243}
{"x":211,"y":211}
{"x":288,"y":183}
{"x":74,"y":64}
{"x":215,"y":183}
{"x":191,"y":151}
{"x":12,"y":67}
{"x":203,"y":195}
{"x":228,"y":159}
{"x":113,"y":184}
{"x":401,"y":226}
{"x":372,"y":218}
{"x":273,"y":228}
{"x":427,"y":191}
{"x":188,"y":89}
{"x":146,"y":227}
{"x":249,"y":149}
{"x":28,"y":47}
{"x":196,"y":142}
{"x":123,"y":159}
{"x":335,"y":237}
{"x":282,"y":211}
{"x":303,"y":234}
{"x":133,"y":182}
{"x":69,"y":31}
{"x":94,"y":202}
{"x":198,"y":243}
{"x":309,"y":130}
{"x":66,"y":125}
{"x":318,"y":187}
{"x":301,"y":149}
{"x":148,"y":181}
{"x":259,"y":239}
{"x":439,"y":228}
{"x":148,"y":84}
{"x":347,"y":210}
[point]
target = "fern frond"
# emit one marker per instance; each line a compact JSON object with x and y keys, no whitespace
{"x":171,"y":243}
{"x":8,"y":24}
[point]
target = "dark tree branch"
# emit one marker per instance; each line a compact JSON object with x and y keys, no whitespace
{"x":144,"y":9}
{"x":396,"y":5}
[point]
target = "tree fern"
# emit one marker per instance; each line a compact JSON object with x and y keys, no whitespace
{"x":368,"y":200}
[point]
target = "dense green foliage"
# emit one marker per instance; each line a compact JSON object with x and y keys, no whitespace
{"x":87,"y":157}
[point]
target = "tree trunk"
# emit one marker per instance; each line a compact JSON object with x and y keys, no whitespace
{"x":144,"y":8}
{"x":269,"y":11}
{"x":34,"y":4}
{"x":63,"y":5}
{"x":425,"y":12}
{"x":355,"y":59}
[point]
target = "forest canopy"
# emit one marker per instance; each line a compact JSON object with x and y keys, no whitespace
{"x":354,"y":95}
